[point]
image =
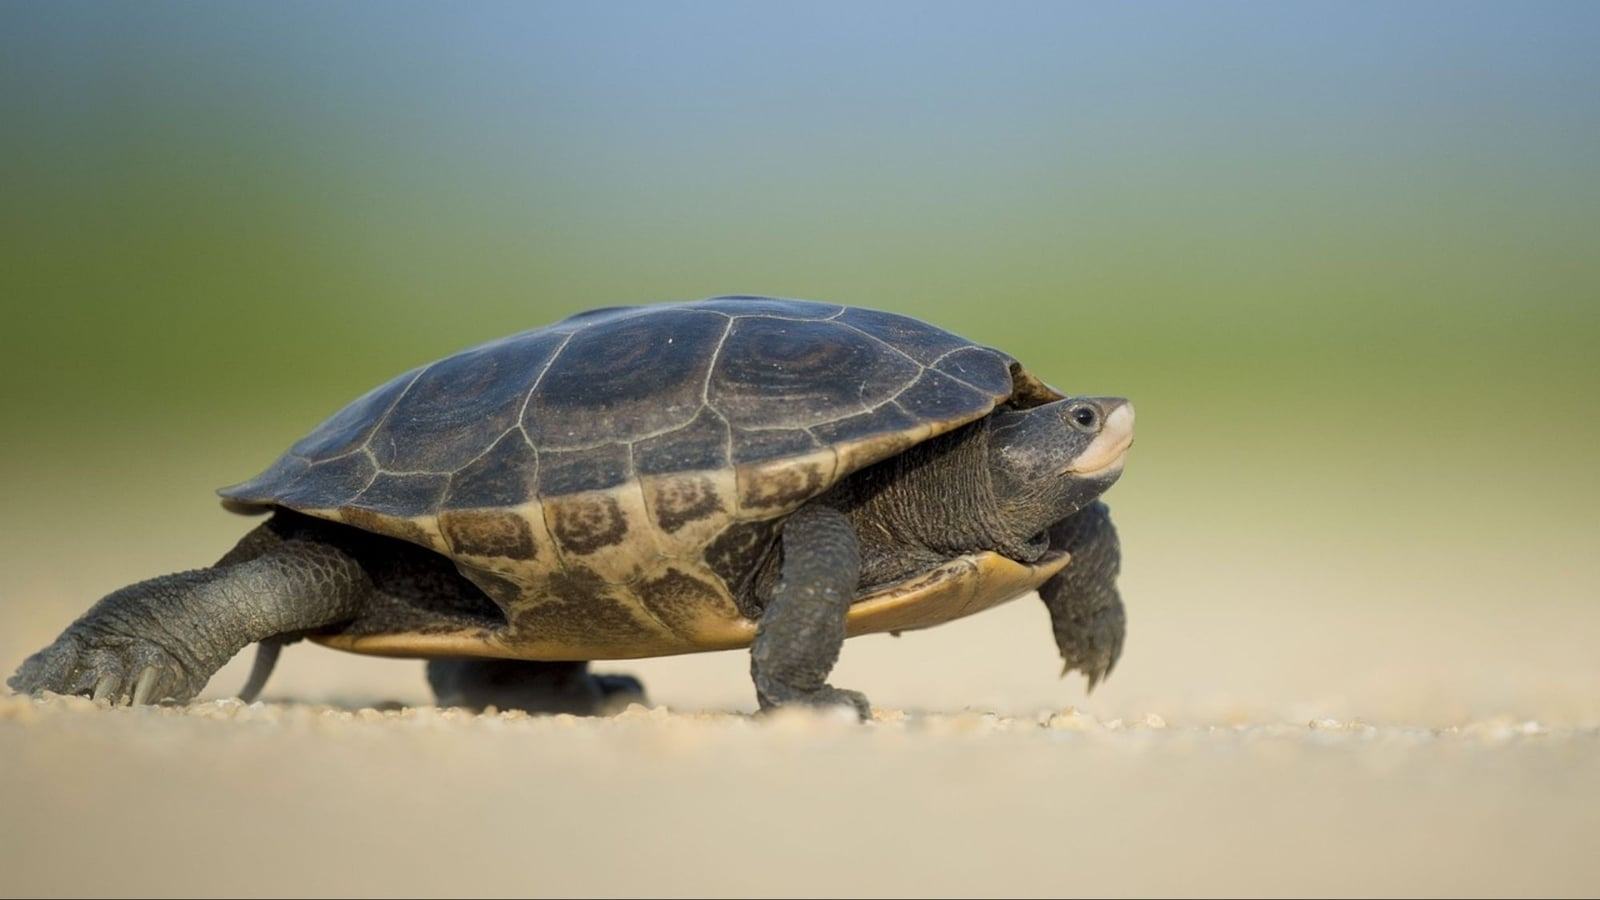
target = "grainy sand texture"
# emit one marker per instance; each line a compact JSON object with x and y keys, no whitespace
{"x":291,"y":798}
{"x":1289,"y":725}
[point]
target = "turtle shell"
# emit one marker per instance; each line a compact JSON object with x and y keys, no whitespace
{"x":609,"y":480}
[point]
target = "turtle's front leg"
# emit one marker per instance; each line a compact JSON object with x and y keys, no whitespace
{"x":1085,"y":609}
{"x":801,"y":630}
{"x":164,"y":638}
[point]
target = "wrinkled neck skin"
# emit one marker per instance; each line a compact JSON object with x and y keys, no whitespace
{"x":941,"y":499}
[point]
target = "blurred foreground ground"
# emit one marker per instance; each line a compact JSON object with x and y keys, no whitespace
{"x":1303,"y":707}
{"x":270,"y":799}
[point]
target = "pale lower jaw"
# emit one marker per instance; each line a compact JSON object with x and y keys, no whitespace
{"x":1113,"y":465}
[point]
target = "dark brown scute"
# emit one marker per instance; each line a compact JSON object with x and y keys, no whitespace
{"x":580,"y":608}
{"x":583,"y":525}
{"x":784,"y":487}
{"x":679,"y":501}
{"x":678,"y":599}
{"x":488,"y":533}
{"x":735,"y":553}
{"x":367,"y":520}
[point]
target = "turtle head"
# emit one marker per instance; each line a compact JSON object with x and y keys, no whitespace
{"x":1050,"y":461}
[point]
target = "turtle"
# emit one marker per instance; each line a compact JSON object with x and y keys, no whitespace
{"x":643,"y":481}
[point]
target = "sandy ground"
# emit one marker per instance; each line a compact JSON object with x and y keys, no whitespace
{"x":1457,"y":783}
{"x":268,"y":798}
{"x":1284,"y":720}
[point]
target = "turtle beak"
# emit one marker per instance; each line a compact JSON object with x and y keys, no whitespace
{"x":1107,"y":453}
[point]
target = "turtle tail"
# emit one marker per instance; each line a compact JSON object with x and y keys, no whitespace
{"x":266,"y":658}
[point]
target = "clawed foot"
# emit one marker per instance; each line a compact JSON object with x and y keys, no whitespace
{"x":1093,"y":647}
{"x":826,"y":697}
{"x":111,"y":668}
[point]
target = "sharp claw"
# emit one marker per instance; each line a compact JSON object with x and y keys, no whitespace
{"x":145,"y":686}
{"x":1066,"y":669}
{"x":103,"y":689}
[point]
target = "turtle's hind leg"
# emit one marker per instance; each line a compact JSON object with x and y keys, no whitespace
{"x":535,"y":687}
{"x":164,"y":638}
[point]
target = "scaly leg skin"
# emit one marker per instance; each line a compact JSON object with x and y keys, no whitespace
{"x":535,"y":687}
{"x":800,"y":632}
{"x":164,"y":638}
{"x":1085,"y":609}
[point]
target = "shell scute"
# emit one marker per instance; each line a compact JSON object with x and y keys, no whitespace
{"x":348,"y":429}
{"x":505,"y":475}
{"x":624,"y":379}
{"x":701,"y":445}
{"x":777,"y":373}
{"x":938,"y":397}
{"x":903,"y":334}
{"x":459,"y":405}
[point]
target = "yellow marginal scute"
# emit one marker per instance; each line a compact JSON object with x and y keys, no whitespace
{"x":416,"y":645}
{"x":954,"y":590}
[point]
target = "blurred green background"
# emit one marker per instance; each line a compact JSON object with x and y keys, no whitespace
{"x":1343,"y":256}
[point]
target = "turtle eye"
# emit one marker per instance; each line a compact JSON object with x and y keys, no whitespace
{"x":1084,"y":416}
